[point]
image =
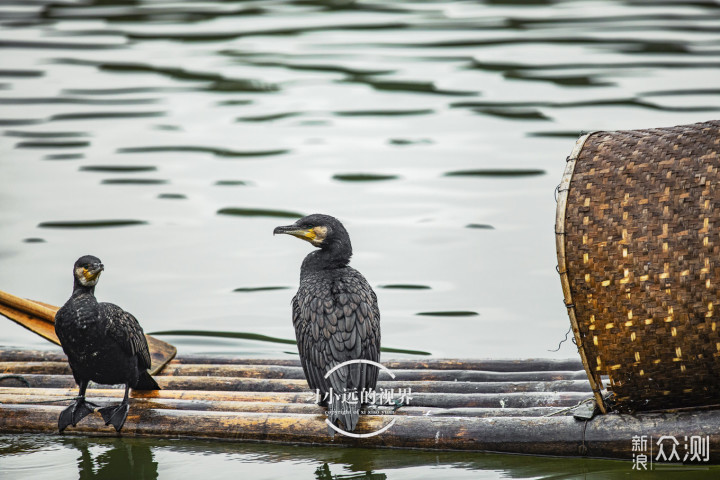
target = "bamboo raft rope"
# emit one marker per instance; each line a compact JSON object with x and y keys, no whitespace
{"x":511,"y":406}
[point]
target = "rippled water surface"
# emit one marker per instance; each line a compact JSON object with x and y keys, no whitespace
{"x":67,"y":458}
{"x":170,"y":138}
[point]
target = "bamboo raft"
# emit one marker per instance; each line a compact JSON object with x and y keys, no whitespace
{"x":511,"y":406}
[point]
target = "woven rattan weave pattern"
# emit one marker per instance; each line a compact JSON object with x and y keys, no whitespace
{"x":642,"y":251}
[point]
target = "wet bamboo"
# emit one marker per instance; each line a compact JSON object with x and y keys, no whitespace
{"x":524,"y":365}
{"x":22,"y":355}
{"x":40,"y":325}
{"x":274,"y":371}
{"x":45,"y":368}
{"x":275,"y":407}
{"x":195,"y":395}
{"x":489,"y":365}
{"x":604,"y":436}
{"x":36,"y":309}
{"x":436,"y":400}
{"x":296,"y":373}
{"x":283,"y":385}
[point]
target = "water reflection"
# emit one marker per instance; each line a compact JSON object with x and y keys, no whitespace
{"x":220,"y":152}
{"x":258,"y":212}
{"x":142,"y":459}
{"x":324,"y":473}
{"x":495,"y":173}
{"x":104,"y":115}
{"x":116,"y":459}
{"x":363,"y":177}
{"x":92,"y":224}
{"x":52,"y":145}
{"x":118,"y":168}
{"x":134,"y":181}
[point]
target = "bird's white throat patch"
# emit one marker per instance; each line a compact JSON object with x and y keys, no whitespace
{"x":86,"y":278}
{"x":320,"y":234}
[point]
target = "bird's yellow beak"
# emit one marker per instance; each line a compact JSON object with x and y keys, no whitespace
{"x":314,"y":235}
{"x":93,"y":272}
{"x":302,"y":233}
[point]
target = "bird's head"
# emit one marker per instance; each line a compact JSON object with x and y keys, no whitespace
{"x":322,"y":231}
{"x":87,"y":270}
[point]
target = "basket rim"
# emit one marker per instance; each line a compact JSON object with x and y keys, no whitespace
{"x":563,"y":190}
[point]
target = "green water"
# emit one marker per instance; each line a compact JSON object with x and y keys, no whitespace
{"x":41,"y":457}
{"x":170,"y":138}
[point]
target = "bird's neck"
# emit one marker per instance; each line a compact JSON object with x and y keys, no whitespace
{"x":80,"y":289}
{"x":326,"y":259}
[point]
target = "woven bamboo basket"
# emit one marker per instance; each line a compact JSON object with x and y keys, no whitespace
{"x":638,"y":244}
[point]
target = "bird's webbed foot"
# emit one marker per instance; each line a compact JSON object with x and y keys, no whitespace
{"x":116,"y":416}
{"x":74,"y":413}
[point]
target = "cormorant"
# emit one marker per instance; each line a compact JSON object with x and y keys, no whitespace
{"x":336,"y":318}
{"x":103,"y":343}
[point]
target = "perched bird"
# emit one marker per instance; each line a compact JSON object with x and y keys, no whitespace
{"x":336,"y":318}
{"x":103,"y":343}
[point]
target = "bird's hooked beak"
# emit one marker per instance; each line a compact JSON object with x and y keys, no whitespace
{"x":314,"y":235}
{"x":92,"y":272}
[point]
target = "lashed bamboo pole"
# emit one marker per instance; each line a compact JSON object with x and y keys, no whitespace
{"x":195,"y":395}
{"x":436,"y":400}
{"x":45,"y":368}
{"x":274,"y":407}
{"x":283,"y":385}
{"x":604,"y":436}
{"x":296,"y":373}
{"x":273,"y":371}
{"x":488,"y":365}
{"x":494,"y":365}
{"x":35,"y":309}
{"x":22,"y":355}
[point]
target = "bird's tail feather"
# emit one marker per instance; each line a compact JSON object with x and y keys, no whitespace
{"x":346,"y":416}
{"x":146,"y":382}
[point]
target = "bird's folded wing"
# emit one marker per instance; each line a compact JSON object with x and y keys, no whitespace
{"x":124,"y":328}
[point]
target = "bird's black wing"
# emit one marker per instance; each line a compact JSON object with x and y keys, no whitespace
{"x":371,"y":342}
{"x":62,"y":317}
{"x":337,"y":320}
{"x":124,"y":328}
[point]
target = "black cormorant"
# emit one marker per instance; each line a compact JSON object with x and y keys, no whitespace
{"x":103,"y":343}
{"x":336,"y":318}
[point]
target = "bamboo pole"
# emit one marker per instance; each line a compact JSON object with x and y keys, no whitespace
{"x":274,"y":407}
{"x":61,"y":367}
{"x":22,"y":355}
{"x":283,"y":385}
{"x":37,"y":309}
{"x":606,"y":436}
{"x":45,"y":368}
{"x":195,"y":395}
{"x":43,"y":327}
{"x":435,"y":400}
{"x":277,"y":371}
{"x":494,"y":365}
{"x":488,"y":365}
